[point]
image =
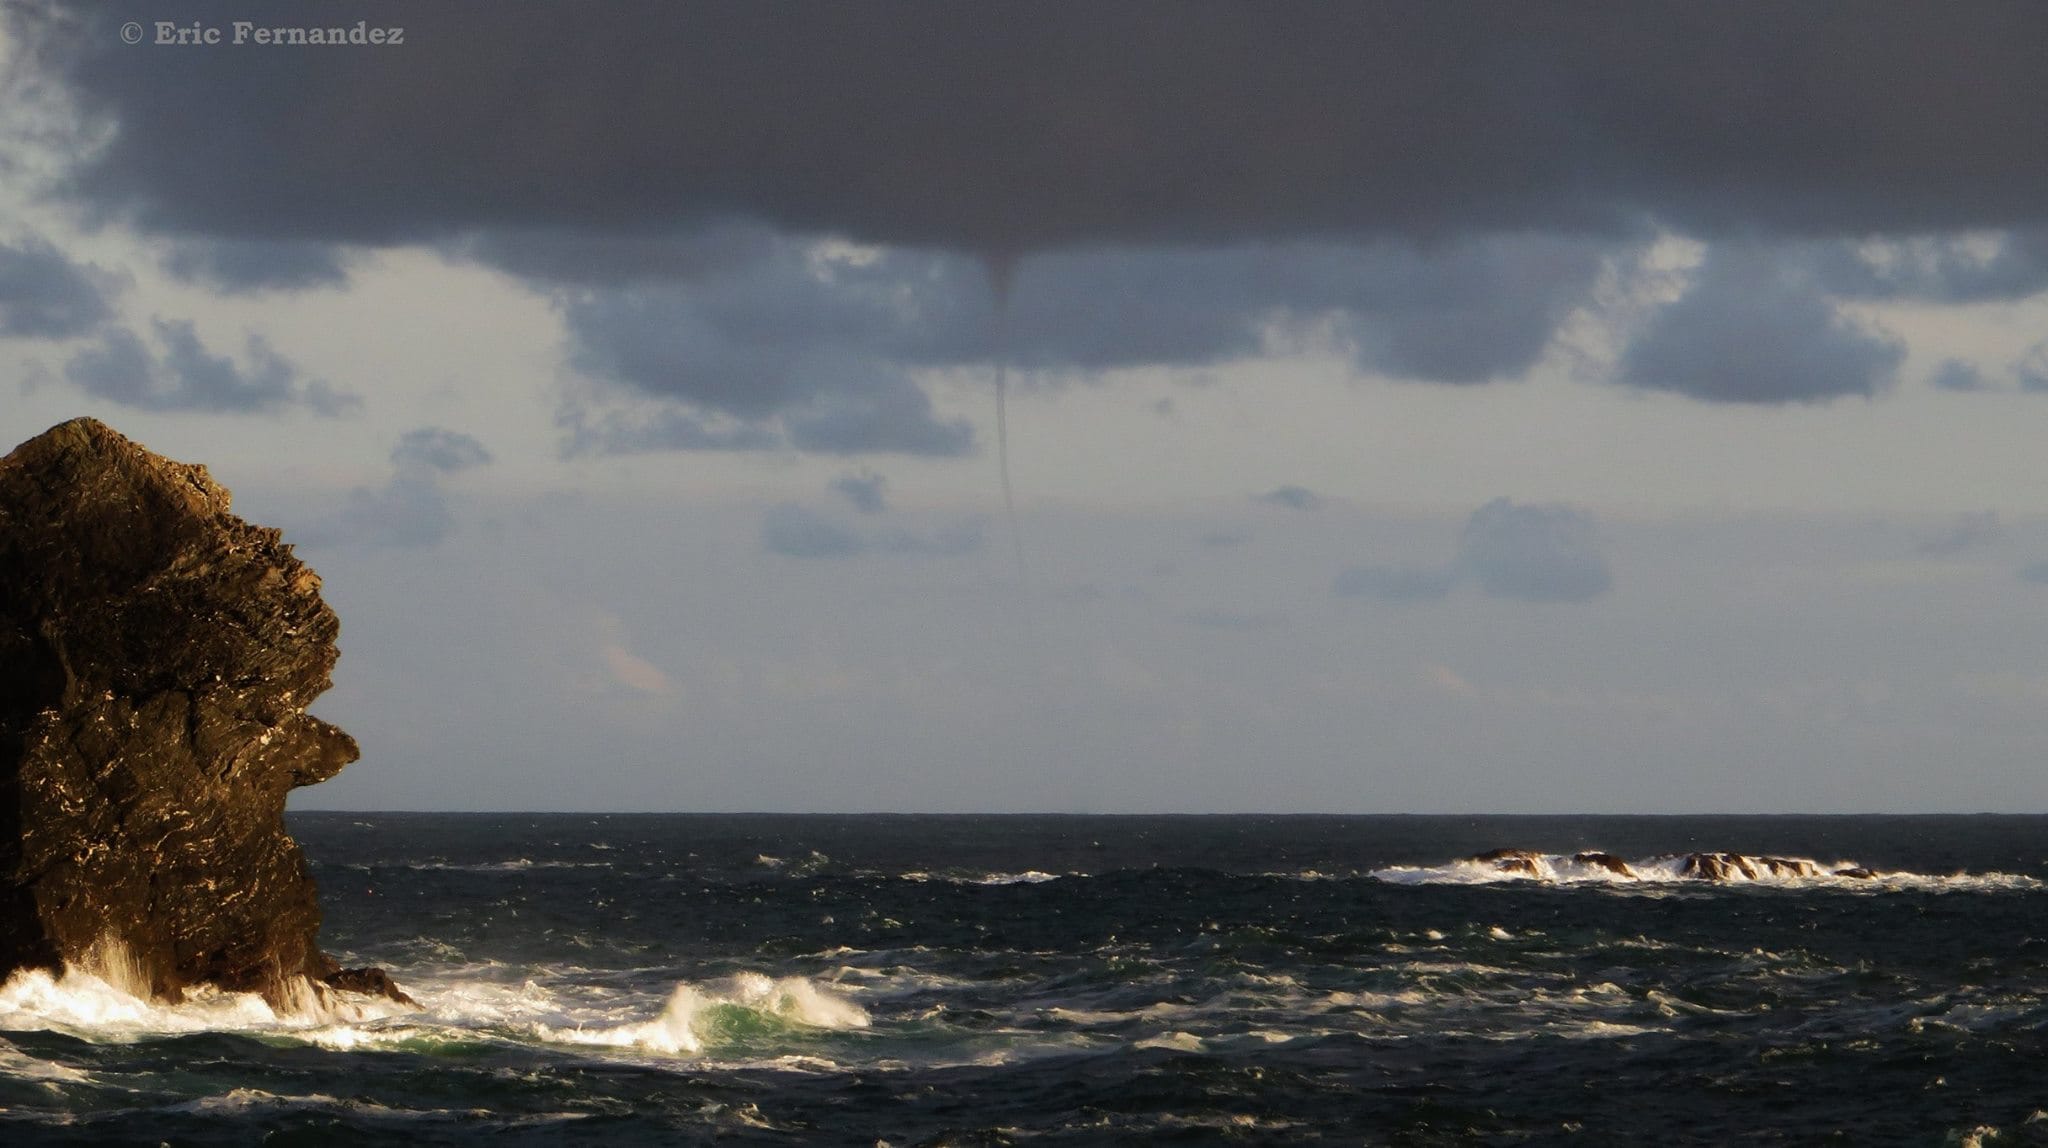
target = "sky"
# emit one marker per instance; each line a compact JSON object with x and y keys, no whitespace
{"x":1410,"y":407}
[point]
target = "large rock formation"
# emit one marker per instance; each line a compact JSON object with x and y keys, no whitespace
{"x":157,"y":655}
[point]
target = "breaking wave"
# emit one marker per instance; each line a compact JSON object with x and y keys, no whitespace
{"x":103,"y":1005}
{"x":746,"y":1013}
{"x":740,"y":1006}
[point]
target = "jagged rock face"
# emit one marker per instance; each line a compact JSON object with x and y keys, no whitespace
{"x":1718,"y":866}
{"x":156,"y":657}
{"x":1789,"y":866}
{"x":1726,"y":866}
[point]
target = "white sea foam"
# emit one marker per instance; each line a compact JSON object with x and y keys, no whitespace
{"x":19,"y":1065}
{"x":255,"y":1101}
{"x":510,"y":865}
{"x":237,"y":1101}
{"x":1259,"y":1036}
{"x":1177,"y":1041}
{"x":1977,"y":1016}
{"x":1738,"y":869}
{"x":109,"y":1007}
{"x":1232,"y":1124}
{"x":1027,"y":877}
{"x":1461,"y":968}
{"x":1602,"y":1030}
{"x":690,"y":1014}
{"x":1111,"y":1018}
{"x":1377,"y":1002}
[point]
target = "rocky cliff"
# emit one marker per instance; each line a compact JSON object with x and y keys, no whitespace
{"x":157,"y":655}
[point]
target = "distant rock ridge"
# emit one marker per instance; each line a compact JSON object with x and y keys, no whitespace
{"x":157,"y":655}
{"x":1719,"y":866}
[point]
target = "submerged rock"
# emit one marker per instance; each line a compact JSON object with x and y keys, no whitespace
{"x":157,"y":655}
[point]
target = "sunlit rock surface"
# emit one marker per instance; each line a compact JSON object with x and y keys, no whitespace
{"x":157,"y":654}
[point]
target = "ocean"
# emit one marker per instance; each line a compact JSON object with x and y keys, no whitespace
{"x":1058,"y":980}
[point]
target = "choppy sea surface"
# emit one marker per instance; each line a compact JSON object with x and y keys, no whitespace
{"x":675,"y":979}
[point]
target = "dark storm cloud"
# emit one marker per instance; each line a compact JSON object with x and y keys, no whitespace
{"x":1455,"y":311}
{"x":815,"y":346}
{"x":1957,"y":375}
{"x":186,"y":376}
{"x":608,"y":258}
{"x":45,"y":295}
{"x":410,"y":511}
{"x":1291,"y":498}
{"x":875,"y":412}
{"x":855,"y":408}
{"x":1751,"y":329}
{"x":439,"y":449}
{"x":866,"y":490}
{"x":1967,"y":532}
{"x":1010,"y":127}
{"x":248,"y":266}
{"x":780,"y":350}
{"x":1428,"y":189}
{"x":1937,"y":268}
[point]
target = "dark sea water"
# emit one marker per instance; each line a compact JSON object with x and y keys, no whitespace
{"x":626,"y":980}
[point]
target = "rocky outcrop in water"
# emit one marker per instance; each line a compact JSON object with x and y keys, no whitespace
{"x":1727,"y":866}
{"x":157,"y":655}
{"x":1607,"y":861}
{"x":1524,"y":861}
{"x":1696,"y":866}
{"x":1717,"y":866}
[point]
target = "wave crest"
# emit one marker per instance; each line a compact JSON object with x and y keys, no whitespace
{"x":696,"y":1015}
